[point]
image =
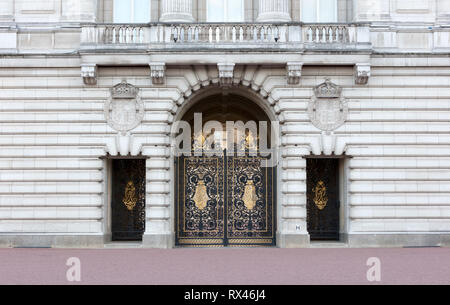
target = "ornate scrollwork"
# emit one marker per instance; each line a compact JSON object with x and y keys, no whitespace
{"x":128,"y":199}
{"x":202,"y":189}
{"x":225,"y":197}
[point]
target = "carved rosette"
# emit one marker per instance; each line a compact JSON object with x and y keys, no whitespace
{"x":327,"y":109}
{"x":124,"y":110}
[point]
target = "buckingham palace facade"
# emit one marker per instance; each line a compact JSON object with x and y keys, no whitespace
{"x":224,"y":123}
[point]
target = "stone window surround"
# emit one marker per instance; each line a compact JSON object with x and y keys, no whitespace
{"x":344,"y":7}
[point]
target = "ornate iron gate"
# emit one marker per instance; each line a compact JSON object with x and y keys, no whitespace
{"x":323,"y":199}
{"x":225,"y":201}
{"x":128,"y":199}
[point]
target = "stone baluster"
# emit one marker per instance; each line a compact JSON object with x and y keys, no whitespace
{"x":273,"y":11}
{"x":176,"y":11}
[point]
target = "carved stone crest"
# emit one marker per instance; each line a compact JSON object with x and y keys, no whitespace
{"x":124,"y":110}
{"x":327,"y":109}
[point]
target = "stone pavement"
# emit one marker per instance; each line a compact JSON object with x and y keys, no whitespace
{"x":249,"y":266}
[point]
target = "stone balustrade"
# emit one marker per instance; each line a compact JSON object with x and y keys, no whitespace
{"x":323,"y":33}
{"x":225,"y":33}
{"x":205,"y":35}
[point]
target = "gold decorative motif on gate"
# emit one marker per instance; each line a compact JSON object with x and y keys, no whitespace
{"x":201,"y":195}
{"x":199,"y":141}
{"x":320,"y":195}
{"x":130,"y":199}
{"x":251,"y":141}
{"x":250,"y":196}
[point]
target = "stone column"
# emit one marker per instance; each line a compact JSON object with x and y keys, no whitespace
{"x":176,"y":11}
{"x":273,"y":11}
{"x":79,"y":10}
{"x":6,"y":10}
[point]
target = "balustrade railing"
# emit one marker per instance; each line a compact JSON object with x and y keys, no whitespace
{"x":323,"y":33}
{"x":229,"y":33}
{"x":213,"y":34}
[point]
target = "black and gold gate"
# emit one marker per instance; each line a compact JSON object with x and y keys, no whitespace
{"x":323,"y":199}
{"x":225,"y":201}
{"x":128,"y":199}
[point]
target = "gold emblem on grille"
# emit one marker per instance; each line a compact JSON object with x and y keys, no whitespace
{"x":129,"y":199}
{"x":250,"y":196}
{"x":251,"y":141}
{"x":201,"y":195}
{"x":320,"y":195}
{"x":199,"y":141}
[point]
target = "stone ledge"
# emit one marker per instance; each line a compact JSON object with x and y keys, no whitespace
{"x":292,"y":240}
{"x":158,"y":241}
{"x":51,"y":241}
{"x":399,"y":240}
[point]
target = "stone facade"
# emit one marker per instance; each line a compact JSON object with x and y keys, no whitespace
{"x":60,"y":60}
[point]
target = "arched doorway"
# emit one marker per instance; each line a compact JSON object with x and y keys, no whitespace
{"x":225,"y":198}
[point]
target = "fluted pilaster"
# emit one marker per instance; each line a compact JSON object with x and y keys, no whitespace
{"x":176,"y":11}
{"x":273,"y":11}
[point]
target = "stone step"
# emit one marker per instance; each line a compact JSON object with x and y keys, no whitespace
{"x":328,"y":244}
{"x":123,"y":245}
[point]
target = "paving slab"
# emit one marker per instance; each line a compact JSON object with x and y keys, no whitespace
{"x":228,"y":266}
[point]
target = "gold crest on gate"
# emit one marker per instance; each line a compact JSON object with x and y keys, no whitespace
{"x":129,"y":199}
{"x":201,"y":195}
{"x":250,"y":196}
{"x":320,"y":195}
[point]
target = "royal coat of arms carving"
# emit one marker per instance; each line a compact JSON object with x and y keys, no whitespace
{"x":124,"y":110}
{"x":327,"y":109}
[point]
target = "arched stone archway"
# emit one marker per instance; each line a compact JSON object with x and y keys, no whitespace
{"x":226,"y":199}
